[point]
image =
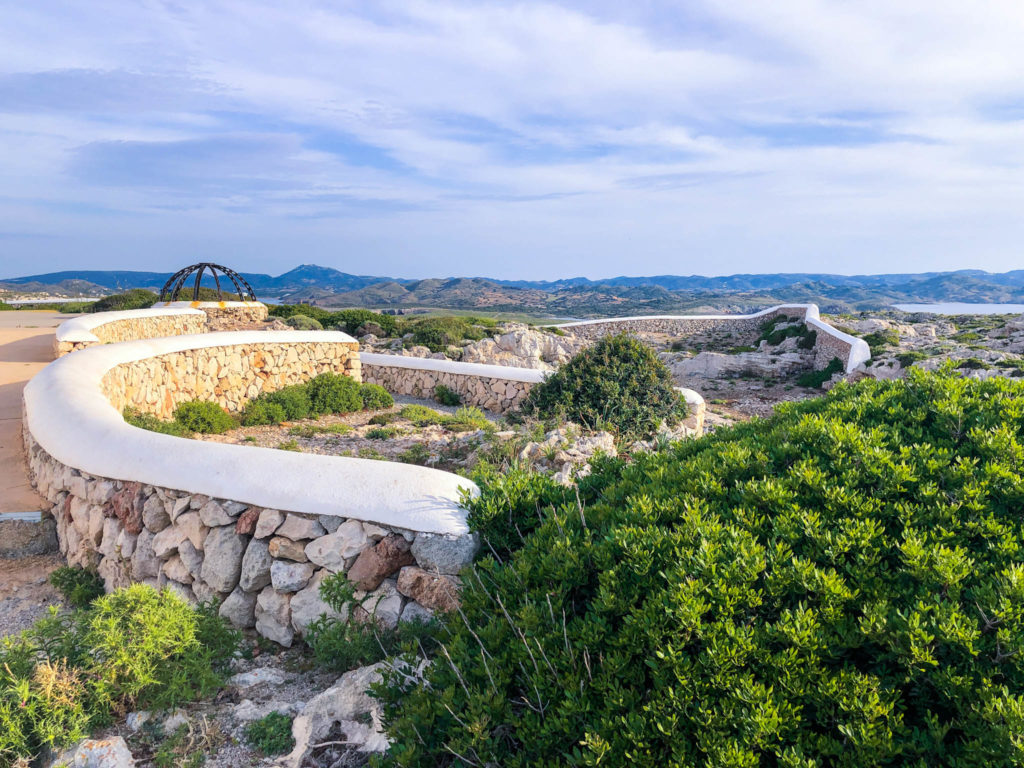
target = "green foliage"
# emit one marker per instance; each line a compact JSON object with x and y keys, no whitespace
{"x":5,"y":307}
{"x":814,"y":379}
{"x":808,"y":339}
{"x":304,"y":323}
{"x":973,"y":364}
{"x":348,"y":320}
{"x":446,"y":396}
{"x":150,"y":422}
{"x":293,"y":400}
{"x":375,"y":397}
{"x":841,"y":584}
{"x":438,"y":333}
{"x":262,"y":411}
{"x":136,"y":298}
{"x":78,"y":585}
{"x":271,"y":735}
{"x":879,"y":341}
{"x":907,"y":359}
{"x":420,"y":415}
{"x":333,"y":393}
{"x":383,"y":419}
{"x":417,"y":453}
{"x":312,"y":430}
{"x":135,"y":647}
{"x":204,"y":417}
{"x":618,"y":384}
{"x":288,"y":445}
{"x":774,"y":335}
{"x":382,"y":433}
{"x":466,"y":418}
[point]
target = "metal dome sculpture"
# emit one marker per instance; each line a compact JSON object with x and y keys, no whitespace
{"x":173,"y":287}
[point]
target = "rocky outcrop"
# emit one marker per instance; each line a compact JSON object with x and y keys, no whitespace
{"x":524,"y":347}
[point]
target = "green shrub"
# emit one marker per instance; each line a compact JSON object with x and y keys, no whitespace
{"x":383,"y":419}
{"x":381,"y":433}
{"x":262,"y":411}
{"x":271,"y":735}
{"x":973,"y":364}
{"x":136,"y":298}
{"x":420,"y":415}
{"x":334,"y":393}
{"x":351,"y":320}
{"x":293,"y":400}
{"x":288,"y":445}
{"x":312,"y":430}
{"x":150,"y":422}
{"x":907,"y":359}
{"x":78,"y":585}
{"x":304,"y":323}
{"x":618,"y":383}
{"x":375,"y":397}
{"x":5,"y":307}
{"x":417,"y":453}
{"x":879,"y":341}
{"x":466,"y":418}
{"x":808,"y":339}
{"x":446,"y":396}
{"x":204,"y":417}
{"x":75,"y":307}
{"x":841,"y":584}
{"x":814,"y":379}
{"x":438,"y":333}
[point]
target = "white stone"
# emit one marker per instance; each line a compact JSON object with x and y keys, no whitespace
{"x":96,"y":753}
{"x":166,"y":542}
{"x":296,"y":528}
{"x":212,"y":514}
{"x":273,"y":617}
{"x":286,"y":576}
{"x":444,"y":554}
{"x":333,"y":550}
{"x":239,"y":608}
{"x":307,"y":606}
{"x":222,"y":559}
{"x":257,"y":676}
{"x":269,"y":521}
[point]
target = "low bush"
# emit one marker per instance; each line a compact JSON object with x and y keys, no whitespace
{"x":879,"y":341}
{"x":133,"y":648}
{"x":438,"y":333}
{"x":333,"y":393}
{"x":312,"y":430}
{"x":907,"y":359}
{"x":78,"y":585}
{"x":446,"y":396}
{"x":618,"y":384}
{"x":420,"y":415}
{"x":382,"y":433}
{"x":348,"y":320}
{"x":136,"y":298}
{"x":375,"y":397}
{"x":150,"y":422}
{"x":840,"y":584}
{"x":303,"y":323}
{"x":204,"y":417}
{"x":261,"y":411}
{"x":5,"y":307}
{"x":973,"y":364}
{"x":293,"y":400}
{"x":417,"y":453}
{"x":814,"y":379}
{"x":466,"y":418}
{"x":271,"y":735}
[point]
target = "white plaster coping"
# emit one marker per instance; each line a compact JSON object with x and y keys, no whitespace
{"x":507,"y":373}
{"x":68,"y":415}
{"x":859,"y":350}
{"x":208,"y":304}
{"x":79,"y":329}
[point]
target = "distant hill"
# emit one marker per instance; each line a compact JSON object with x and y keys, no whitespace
{"x":577,"y":296}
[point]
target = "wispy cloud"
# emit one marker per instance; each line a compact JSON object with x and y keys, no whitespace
{"x":542,"y":138}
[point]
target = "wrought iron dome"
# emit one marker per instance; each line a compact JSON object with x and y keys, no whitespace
{"x":172,"y":288}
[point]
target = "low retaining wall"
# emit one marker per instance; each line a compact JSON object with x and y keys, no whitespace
{"x":255,"y":527}
{"x":224,"y":315}
{"x":830,"y":342}
{"x":494,"y":388}
{"x":129,"y":325}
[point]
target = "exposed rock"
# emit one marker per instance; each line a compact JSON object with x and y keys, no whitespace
{"x":334,"y":549}
{"x":431,"y":590}
{"x":445,"y":554}
{"x":523,"y":347}
{"x":269,"y":521}
{"x":380,"y":561}
{"x":154,"y":514}
{"x":296,"y":527}
{"x":222,"y":561}
{"x":289,"y":577}
{"x":383,"y":605}
{"x":126,"y":505}
{"x":255,"y":572}
{"x":307,"y":605}
{"x":287,"y":549}
{"x":413,"y":611}
{"x":239,"y":608}
{"x":191,"y":557}
{"x":175,"y":507}
{"x":331,"y":523}
{"x":96,"y":753}
{"x":192,"y":526}
{"x":175,"y":569}
{"x":258,"y":676}
{"x":273,"y":617}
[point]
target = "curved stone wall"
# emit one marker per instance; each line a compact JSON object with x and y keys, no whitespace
{"x":830,"y":342}
{"x":256,"y":528}
{"x":130,"y":325}
{"x":494,"y":388}
{"x":224,"y":315}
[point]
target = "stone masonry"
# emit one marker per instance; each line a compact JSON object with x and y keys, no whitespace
{"x":489,"y":393}
{"x":130,"y":329}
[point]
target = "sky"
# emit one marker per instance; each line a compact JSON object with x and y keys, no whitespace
{"x":529,"y":140}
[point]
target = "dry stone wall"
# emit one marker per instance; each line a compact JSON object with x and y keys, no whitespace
{"x":264,"y":566}
{"x":128,"y":326}
{"x":228,"y":375}
{"x":485,"y":386}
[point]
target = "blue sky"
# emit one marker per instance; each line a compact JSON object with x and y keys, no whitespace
{"x":513,"y":140}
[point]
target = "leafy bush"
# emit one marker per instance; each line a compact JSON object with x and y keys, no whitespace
{"x":420,"y":415}
{"x":135,"y":647}
{"x":618,"y":383}
{"x":438,"y":333}
{"x":304,"y":323}
{"x":150,"y":422}
{"x":446,"y":396}
{"x":293,"y":400}
{"x":808,"y":339}
{"x":841,"y":584}
{"x":271,"y":735}
{"x":973,"y":364}
{"x":5,"y":307}
{"x":466,"y":418}
{"x":383,"y":419}
{"x":204,"y":417}
{"x":879,"y":341}
{"x":334,"y":393}
{"x":78,"y":585}
{"x":351,"y":320}
{"x":814,"y":379}
{"x":417,"y":453}
{"x":907,"y":359}
{"x":375,"y":397}
{"x":260,"y":411}
{"x":136,"y":298}
{"x":381,"y":433}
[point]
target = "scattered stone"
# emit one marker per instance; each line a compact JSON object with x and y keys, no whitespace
{"x":136,"y":720}
{"x":96,"y":753}
{"x":257,"y":676}
{"x":414,"y":612}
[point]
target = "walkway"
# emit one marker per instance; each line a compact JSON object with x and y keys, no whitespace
{"x":26,"y":345}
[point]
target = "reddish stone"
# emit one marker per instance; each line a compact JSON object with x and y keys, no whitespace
{"x":246,"y":523}
{"x":126,"y":505}
{"x":378,"y":562}
{"x":430,"y":590}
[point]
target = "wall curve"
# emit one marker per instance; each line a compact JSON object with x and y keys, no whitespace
{"x":129,"y":325}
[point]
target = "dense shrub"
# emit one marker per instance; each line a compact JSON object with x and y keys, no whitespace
{"x":259,"y":411}
{"x":133,"y":648}
{"x":304,"y":323}
{"x":333,"y":393}
{"x":814,"y":379}
{"x":150,"y":422}
{"x":375,"y":397}
{"x":841,"y":584}
{"x":437,"y":333}
{"x":879,"y":341}
{"x":446,"y":395}
{"x":204,"y":417}
{"x":618,"y":383}
{"x":136,"y":298}
{"x":293,"y":400}
{"x":348,"y":320}
{"x":78,"y":585}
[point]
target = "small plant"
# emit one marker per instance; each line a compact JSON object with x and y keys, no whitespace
{"x":78,"y":585}
{"x":417,"y":453}
{"x":420,"y":415}
{"x":304,"y":323}
{"x":371,"y":453}
{"x":334,"y":393}
{"x":973,"y":364}
{"x":465,"y":419}
{"x":879,"y":341}
{"x":740,"y":350}
{"x":271,"y":735}
{"x":383,"y":419}
{"x":262,"y":411}
{"x":382,"y":433}
{"x":808,"y":339}
{"x":288,"y":445}
{"x":375,"y":397}
{"x":204,"y":417}
{"x":814,"y":379}
{"x":312,"y":430}
{"x":151,"y":423}
{"x":907,"y":359}
{"x":446,"y":396}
